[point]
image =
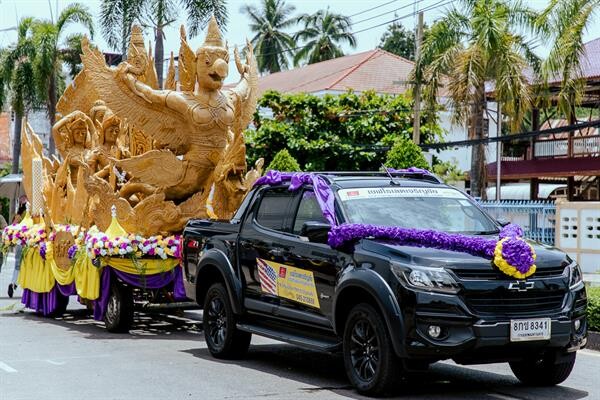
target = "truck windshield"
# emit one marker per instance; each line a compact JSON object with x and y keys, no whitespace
{"x":442,"y":209}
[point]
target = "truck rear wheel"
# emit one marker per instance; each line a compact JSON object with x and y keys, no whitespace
{"x":222,"y":337}
{"x":543,"y":371}
{"x":370,"y":361}
{"x":118,"y":317}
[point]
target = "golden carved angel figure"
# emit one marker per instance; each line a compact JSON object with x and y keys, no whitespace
{"x":73,"y":135}
{"x":191,"y":128}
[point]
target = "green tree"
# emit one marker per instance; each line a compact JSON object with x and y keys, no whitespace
{"x":399,"y":40}
{"x":346,"y":132}
{"x":116,"y":19}
{"x":448,"y":171}
{"x":283,"y":161}
{"x":271,"y":44}
{"x":564,"y":22}
{"x":476,"y":42}
{"x":17,"y":81}
{"x":50,"y":54}
{"x":405,"y":154}
{"x":323,"y":34}
{"x":159,"y":14}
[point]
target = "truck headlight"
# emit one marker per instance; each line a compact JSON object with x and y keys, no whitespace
{"x":425,"y":278}
{"x":575,"y":275}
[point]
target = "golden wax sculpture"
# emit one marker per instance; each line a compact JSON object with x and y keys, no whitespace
{"x":160,"y":156}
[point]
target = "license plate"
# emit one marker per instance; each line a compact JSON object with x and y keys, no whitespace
{"x":522,"y":330}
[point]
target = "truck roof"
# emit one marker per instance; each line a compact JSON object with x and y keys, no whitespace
{"x":371,"y":179}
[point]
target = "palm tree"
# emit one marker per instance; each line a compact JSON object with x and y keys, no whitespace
{"x":17,"y":81}
{"x":476,"y":42}
{"x":271,"y":44}
{"x":161,"y":13}
{"x":564,"y":22}
{"x":116,"y":19}
{"x":323,"y":33}
{"x":50,"y":55}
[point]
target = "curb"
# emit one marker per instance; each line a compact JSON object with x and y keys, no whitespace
{"x":593,"y":341}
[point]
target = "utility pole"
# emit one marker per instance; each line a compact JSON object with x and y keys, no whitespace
{"x":498,"y":150}
{"x":417,"y":89}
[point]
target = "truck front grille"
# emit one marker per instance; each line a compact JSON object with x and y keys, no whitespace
{"x":492,"y":273}
{"x":515,"y":303}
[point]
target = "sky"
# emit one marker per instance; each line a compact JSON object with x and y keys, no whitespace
{"x":237,"y":28}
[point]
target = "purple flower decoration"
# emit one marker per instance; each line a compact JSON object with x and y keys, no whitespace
{"x":518,"y":254}
{"x":411,"y":170}
{"x":72,"y":251}
{"x":43,"y":250}
{"x":346,"y":234}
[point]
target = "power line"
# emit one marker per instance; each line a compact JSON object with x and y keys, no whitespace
{"x":372,"y":8}
{"x":385,"y":13}
{"x":516,"y":136}
{"x":440,"y":3}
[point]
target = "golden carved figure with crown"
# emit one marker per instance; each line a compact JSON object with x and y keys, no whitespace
{"x":192,"y":128}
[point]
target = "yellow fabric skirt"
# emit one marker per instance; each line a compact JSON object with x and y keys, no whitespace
{"x":40,"y":275}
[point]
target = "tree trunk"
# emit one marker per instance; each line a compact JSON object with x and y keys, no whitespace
{"x":476,"y":131}
{"x":17,"y":143}
{"x":51,"y":112}
{"x":159,"y":55}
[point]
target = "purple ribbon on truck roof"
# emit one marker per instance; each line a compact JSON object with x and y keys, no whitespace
{"x":323,"y":192}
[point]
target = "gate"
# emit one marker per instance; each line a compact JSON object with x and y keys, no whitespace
{"x":537,"y":218}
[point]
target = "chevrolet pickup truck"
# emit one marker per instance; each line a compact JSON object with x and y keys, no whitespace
{"x":388,"y":308}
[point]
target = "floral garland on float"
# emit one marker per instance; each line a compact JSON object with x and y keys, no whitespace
{"x":115,"y":242}
{"x":510,"y":253}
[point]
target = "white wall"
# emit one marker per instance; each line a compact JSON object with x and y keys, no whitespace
{"x":456,"y":132}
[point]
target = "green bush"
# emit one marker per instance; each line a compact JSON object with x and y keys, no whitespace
{"x":593,"y":310}
{"x":405,"y":154}
{"x":345,"y":132}
{"x":283,"y":161}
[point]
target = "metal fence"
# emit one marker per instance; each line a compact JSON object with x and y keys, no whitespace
{"x":537,"y":218}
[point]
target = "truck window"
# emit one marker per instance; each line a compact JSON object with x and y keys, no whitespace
{"x":308,"y":210}
{"x":273,"y":209}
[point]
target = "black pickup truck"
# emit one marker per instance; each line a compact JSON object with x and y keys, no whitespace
{"x":388,"y":308}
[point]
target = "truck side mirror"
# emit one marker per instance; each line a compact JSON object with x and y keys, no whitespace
{"x":502,"y":221}
{"x":316,"y":231}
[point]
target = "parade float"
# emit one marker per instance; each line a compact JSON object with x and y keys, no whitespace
{"x":135,"y":163}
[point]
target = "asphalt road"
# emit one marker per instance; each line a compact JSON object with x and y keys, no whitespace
{"x":165,"y":357}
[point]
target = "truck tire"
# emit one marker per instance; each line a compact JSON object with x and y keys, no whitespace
{"x":543,"y":371}
{"x":118,"y":317}
{"x":370,"y":361}
{"x":222,"y":337}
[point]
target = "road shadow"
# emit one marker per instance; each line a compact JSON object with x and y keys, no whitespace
{"x":146,"y":325}
{"x":441,"y":381}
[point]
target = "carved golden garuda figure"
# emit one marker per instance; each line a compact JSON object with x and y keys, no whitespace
{"x":160,"y":156}
{"x":191,"y":128}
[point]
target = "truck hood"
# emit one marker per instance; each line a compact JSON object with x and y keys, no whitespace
{"x":547,"y":256}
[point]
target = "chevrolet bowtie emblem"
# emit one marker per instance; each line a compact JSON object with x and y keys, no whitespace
{"x":521,"y":286}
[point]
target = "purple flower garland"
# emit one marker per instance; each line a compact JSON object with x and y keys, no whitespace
{"x":511,"y":254}
{"x":323,"y":192}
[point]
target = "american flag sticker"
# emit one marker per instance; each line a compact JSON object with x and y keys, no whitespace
{"x":287,"y":282}
{"x":267,"y":277}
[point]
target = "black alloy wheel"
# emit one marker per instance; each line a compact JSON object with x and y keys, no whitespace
{"x":217,"y":322}
{"x":223,"y":339}
{"x":369,"y":357}
{"x":364,"y":350}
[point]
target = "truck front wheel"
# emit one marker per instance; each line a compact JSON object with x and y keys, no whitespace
{"x":222,"y":337}
{"x":544,"y":371}
{"x":369,"y":358}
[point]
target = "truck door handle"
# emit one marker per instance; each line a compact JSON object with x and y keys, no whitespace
{"x":276,"y":252}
